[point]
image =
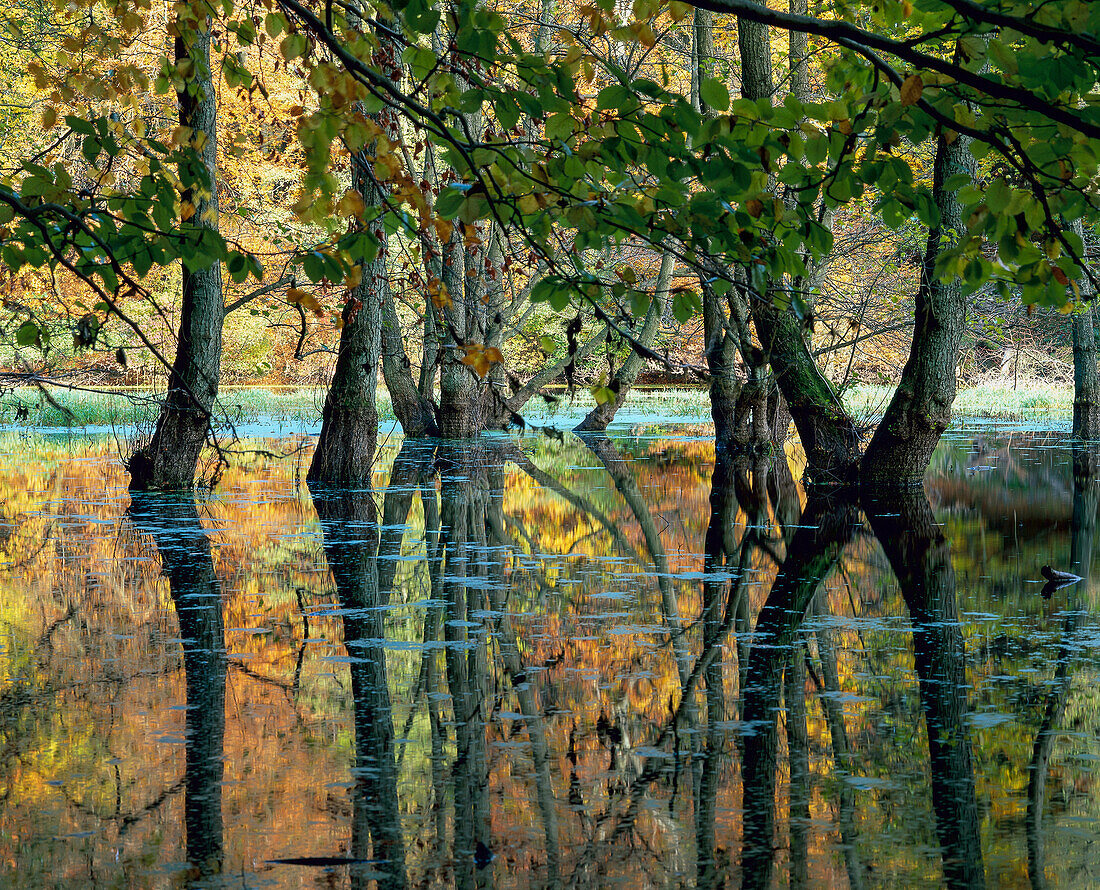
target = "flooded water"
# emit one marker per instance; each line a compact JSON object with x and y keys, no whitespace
{"x":537,"y":663}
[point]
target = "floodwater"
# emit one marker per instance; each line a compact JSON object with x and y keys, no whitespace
{"x":544,"y":663}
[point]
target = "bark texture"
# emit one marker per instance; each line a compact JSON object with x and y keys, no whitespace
{"x":349,"y":419}
{"x":169,"y":460}
{"x":920,"y":410}
{"x":411,"y":405}
{"x":1086,"y":381}
{"x":828,"y":434}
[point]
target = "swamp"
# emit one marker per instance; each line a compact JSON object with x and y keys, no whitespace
{"x":548,"y":661}
{"x":549,"y":444}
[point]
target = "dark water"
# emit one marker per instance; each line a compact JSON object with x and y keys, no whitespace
{"x":537,"y":663}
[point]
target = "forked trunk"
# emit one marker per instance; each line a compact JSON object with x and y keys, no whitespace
{"x":828,"y":434}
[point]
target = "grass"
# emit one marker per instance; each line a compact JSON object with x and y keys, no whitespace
{"x":301,"y":406}
{"x":1029,"y":401}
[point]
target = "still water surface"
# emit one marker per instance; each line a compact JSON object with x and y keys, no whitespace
{"x":538,"y":663}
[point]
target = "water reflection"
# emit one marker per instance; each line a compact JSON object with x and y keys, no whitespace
{"x":182,"y":544}
{"x":603,"y":662}
{"x":349,"y":527}
{"x":1086,"y":494}
{"x":919,"y":554}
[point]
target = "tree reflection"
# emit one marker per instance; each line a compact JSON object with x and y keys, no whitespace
{"x":363,"y":558}
{"x":1086,"y":494}
{"x":184,"y":549}
{"x":463,"y":494}
{"x":828,"y":523}
{"x":920,"y":556}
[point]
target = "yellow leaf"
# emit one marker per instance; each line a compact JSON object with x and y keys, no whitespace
{"x":443,"y":229}
{"x":187,"y":210}
{"x":354,"y":277}
{"x":351,"y":204}
{"x":480,"y":359}
{"x":49,"y":117}
{"x":181,"y":135}
{"x":305,"y":299}
{"x":678,"y":11}
{"x":602,"y":395}
{"x":441,"y":297}
{"x":911,"y":89}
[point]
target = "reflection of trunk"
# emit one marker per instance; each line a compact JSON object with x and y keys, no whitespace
{"x":838,"y":737}
{"x":1085,"y":496}
{"x":824,"y":531}
{"x":522,"y":681}
{"x":433,"y":626}
{"x":598,"y":418}
{"x":349,"y":524}
{"x":185,"y":556}
{"x":627,"y":486}
{"x":462,"y":511}
{"x":920,"y":558}
{"x":798,"y":754}
{"x":723,"y":511}
{"x":171,"y":456}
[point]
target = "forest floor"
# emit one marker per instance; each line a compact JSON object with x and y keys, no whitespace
{"x":291,"y":406}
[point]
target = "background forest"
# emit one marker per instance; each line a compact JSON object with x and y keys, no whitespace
{"x":480,"y":200}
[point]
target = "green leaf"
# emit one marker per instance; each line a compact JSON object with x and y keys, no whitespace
{"x":685,"y":304}
{"x":449,"y":201}
{"x":714,"y":94}
{"x":90,"y":148}
{"x":27,"y":333}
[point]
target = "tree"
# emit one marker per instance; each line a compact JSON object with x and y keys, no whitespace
{"x":531,"y":160}
{"x":169,"y":459}
{"x":349,"y":426}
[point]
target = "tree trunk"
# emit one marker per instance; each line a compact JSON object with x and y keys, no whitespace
{"x":826,"y":430}
{"x":921,"y":407}
{"x":410,"y":403}
{"x":349,"y":420}
{"x":1086,"y":381}
{"x":598,"y":418}
{"x":169,"y":459}
{"x":829,"y":436}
